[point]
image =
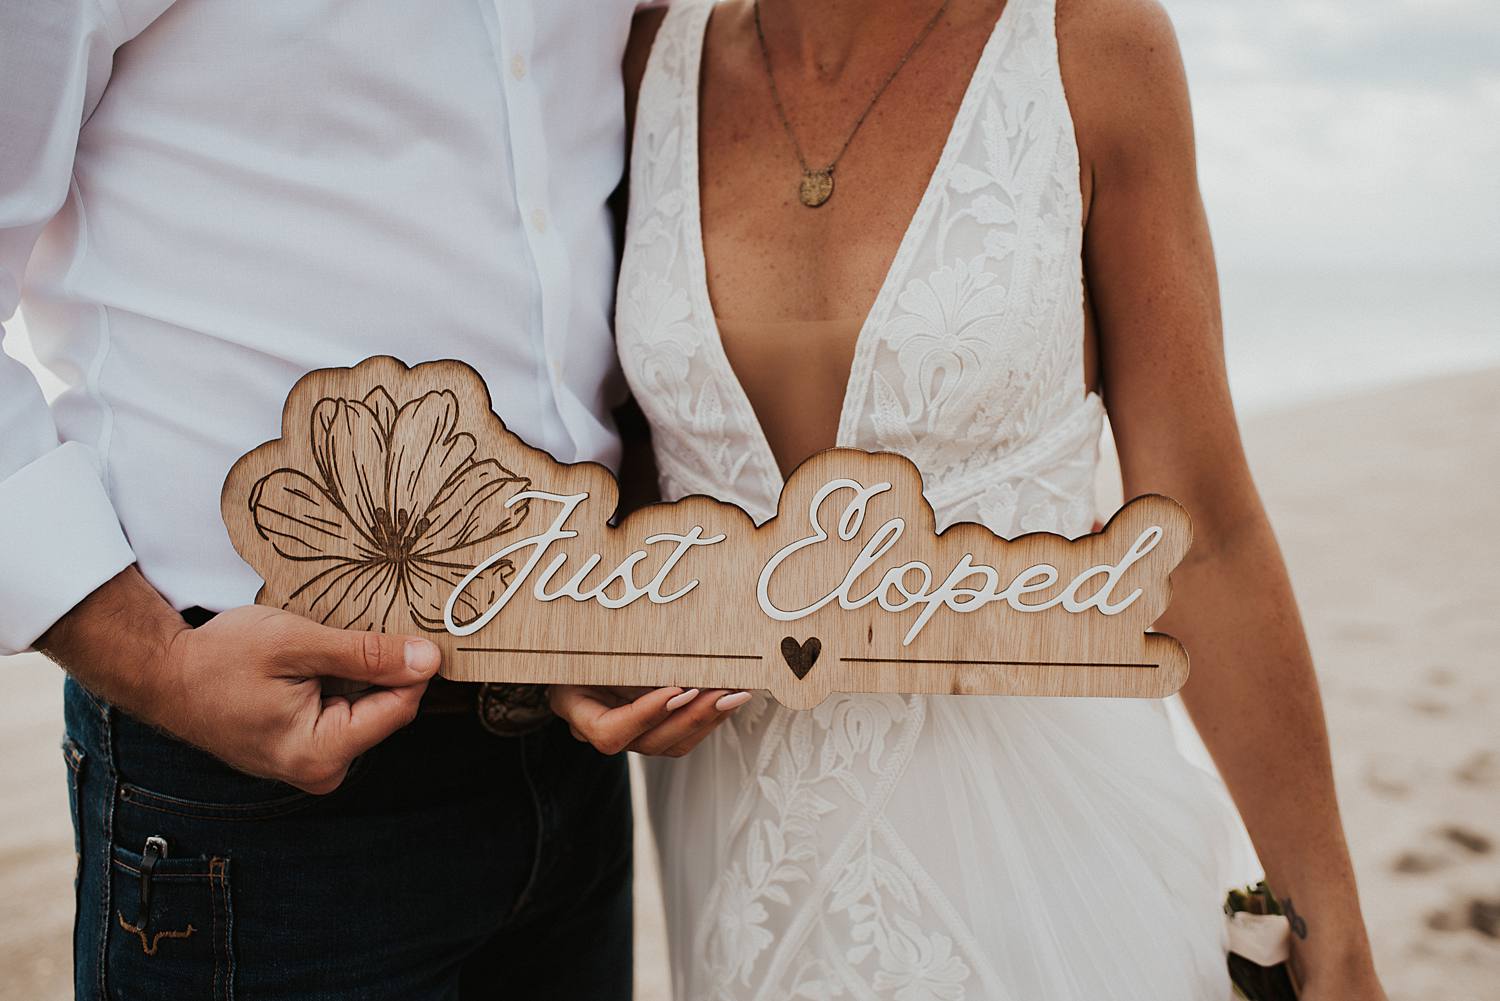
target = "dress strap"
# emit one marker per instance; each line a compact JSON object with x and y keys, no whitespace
{"x":677,"y":50}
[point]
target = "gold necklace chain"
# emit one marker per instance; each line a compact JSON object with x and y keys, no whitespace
{"x":816,"y":186}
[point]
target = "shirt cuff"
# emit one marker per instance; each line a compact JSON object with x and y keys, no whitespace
{"x":59,"y":540}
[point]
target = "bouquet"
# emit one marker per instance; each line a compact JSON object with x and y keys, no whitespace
{"x":1259,"y":945}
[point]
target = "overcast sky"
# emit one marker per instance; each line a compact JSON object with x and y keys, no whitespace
{"x":1361,"y":133}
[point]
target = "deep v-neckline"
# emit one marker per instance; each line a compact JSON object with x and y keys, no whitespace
{"x":764,"y":456}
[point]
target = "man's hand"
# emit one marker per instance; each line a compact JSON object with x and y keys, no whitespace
{"x":665,"y":721}
{"x":247,"y":686}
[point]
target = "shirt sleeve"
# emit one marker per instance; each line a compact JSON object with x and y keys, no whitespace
{"x":59,"y":535}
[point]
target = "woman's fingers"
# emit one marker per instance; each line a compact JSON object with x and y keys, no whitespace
{"x":625,"y":693}
{"x":686,"y":727}
{"x":667,"y":721}
{"x":726,"y":705}
{"x":596,"y":715}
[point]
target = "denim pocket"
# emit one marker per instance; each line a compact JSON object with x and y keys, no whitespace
{"x":160,"y":773}
{"x":278,"y":805}
{"x":169,"y":935}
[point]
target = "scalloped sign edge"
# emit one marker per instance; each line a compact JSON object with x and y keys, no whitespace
{"x":397,"y":500}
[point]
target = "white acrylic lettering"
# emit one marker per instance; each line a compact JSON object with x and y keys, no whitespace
{"x":574,"y":588}
{"x":849,"y":525}
{"x":968,"y":587}
{"x":895,"y":593}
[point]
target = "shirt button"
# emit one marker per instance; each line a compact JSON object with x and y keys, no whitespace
{"x":539,"y":220}
{"x":557,"y":369}
{"x":518,"y":66}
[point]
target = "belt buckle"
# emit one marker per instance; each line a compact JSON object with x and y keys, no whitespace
{"x":508,"y":710}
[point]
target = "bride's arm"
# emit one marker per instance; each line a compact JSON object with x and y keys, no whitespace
{"x":1153,"y":290}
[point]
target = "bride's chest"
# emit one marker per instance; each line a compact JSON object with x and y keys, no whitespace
{"x":769,"y":256}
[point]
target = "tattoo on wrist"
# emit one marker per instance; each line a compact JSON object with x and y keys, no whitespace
{"x":1297,"y":922}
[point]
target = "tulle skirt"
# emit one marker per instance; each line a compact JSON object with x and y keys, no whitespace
{"x":940,"y":848}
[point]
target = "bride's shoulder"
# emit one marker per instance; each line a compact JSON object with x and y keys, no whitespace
{"x":1123,"y":73}
{"x":1128,"y":42}
{"x":1118,"y":42}
{"x":1130,"y":22}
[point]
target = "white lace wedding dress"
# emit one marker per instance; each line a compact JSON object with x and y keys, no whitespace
{"x":920,"y":848}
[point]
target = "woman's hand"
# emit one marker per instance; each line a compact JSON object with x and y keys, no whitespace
{"x":664,"y":721}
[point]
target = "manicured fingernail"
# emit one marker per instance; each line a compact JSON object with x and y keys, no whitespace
{"x":682,"y":698}
{"x":421,"y":656}
{"x":732,"y":701}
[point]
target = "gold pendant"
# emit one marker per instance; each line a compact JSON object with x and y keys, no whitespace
{"x":816,"y":187}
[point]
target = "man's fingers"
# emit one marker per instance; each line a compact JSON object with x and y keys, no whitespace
{"x":346,"y":728}
{"x":375,"y":716}
{"x":374,"y":658}
{"x":611,"y":729}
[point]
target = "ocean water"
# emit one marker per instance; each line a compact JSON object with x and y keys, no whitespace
{"x":1298,"y":336}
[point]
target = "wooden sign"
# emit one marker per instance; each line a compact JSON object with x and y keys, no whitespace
{"x":396,"y":500}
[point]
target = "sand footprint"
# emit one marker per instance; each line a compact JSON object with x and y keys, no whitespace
{"x":1445,"y":846}
{"x":1481,"y":914}
{"x":1481,"y":768}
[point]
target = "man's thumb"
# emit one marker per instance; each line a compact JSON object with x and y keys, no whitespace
{"x":374,"y":658}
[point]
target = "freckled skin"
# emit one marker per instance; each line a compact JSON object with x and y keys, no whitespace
{"x":772,"y":261}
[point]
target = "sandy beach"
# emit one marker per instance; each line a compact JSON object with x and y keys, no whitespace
{"x":1404,"y":629}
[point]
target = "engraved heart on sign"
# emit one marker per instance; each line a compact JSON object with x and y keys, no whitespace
{"x":800,"y":657}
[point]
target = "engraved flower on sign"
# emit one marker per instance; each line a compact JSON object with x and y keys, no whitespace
{"x":386,"y":524}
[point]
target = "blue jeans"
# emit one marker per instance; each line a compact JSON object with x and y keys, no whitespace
{"x":451,"y":864}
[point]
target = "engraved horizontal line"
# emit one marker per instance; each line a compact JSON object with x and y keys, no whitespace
{"x":992,"y":663}
{"x":612,"y":653}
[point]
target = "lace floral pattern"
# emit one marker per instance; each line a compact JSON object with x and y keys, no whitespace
{"x":970,"y":363}
{"x":842,"y":758}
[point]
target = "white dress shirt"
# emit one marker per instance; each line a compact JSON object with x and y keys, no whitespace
{"x":201,"y":201}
